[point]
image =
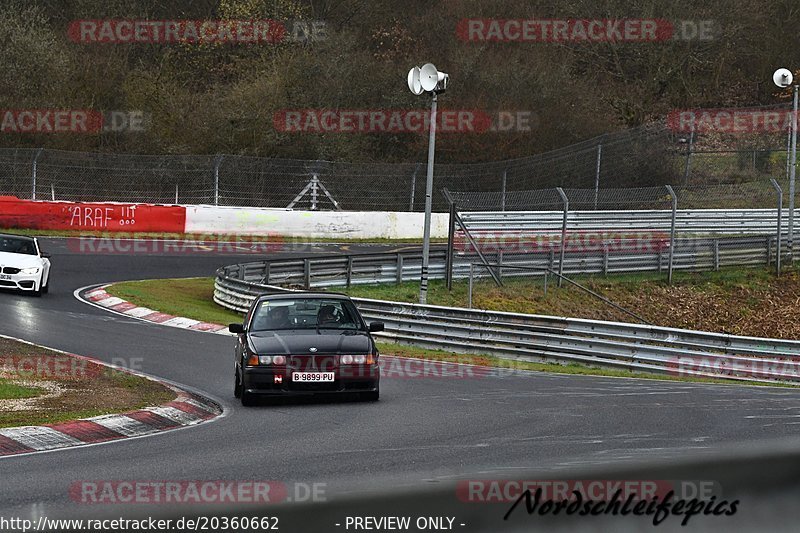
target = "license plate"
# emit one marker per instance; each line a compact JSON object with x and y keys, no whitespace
{"x":6,"y":277}
{"x":313,"y":377}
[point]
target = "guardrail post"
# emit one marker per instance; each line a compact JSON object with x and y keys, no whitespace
{"x":266,"y":273}
{"x":778,"y":231}
{"x":769,"y":249}
{"x":563,"y":233}
{"x":605,"y":260}
{"x":307,"y":273}
{"x":469,"y":286}
{"x":545,"y":282}
{"x":399,"y":269}
{"x":671,"y":232}
{"x":715,"y":246}
{"x":349,"y":271}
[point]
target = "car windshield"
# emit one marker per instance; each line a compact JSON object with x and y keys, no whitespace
{"x":17,"y":245}
{"x":305,"y":313}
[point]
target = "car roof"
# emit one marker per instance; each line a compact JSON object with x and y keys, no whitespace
{"x":23,"y":237}
{"x":303,"y":294}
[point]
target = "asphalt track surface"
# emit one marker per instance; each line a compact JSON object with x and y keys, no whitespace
{"x":423,"y":431}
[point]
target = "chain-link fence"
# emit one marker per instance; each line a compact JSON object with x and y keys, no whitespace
{"x":646,"y":156}
{"x":603,"y":231}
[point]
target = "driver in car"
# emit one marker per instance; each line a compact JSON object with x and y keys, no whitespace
{"x":327,"y":316}
{"x":279,"y":318}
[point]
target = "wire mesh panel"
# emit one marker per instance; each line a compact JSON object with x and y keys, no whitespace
{"x":16,"y":170}
{"x":83,"y":176}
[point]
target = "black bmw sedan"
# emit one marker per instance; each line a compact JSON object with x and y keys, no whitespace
{"x":305,"y":343}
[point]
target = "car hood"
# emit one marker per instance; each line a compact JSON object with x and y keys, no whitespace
{"x":19,"y":260}
{"x":300,"y":342}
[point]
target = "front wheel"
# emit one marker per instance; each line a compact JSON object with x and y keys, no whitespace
{"x":46,"y":287}
{"x":237,"y":386}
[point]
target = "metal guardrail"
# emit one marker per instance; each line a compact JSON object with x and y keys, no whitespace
{"x":553,"y":339}
{"x":695,"y":221}
{"x":691,"y":254}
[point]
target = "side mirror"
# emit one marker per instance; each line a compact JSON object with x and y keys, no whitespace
{"x":44,"y":255}
{"x":236,"y":328}
{"x":375,"y":327}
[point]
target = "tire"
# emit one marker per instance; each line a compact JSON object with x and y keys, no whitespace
{"x":372,"y":396}
{"x":46,"y":288}
{"x":237,"y":386}
{"x":248,"y":399}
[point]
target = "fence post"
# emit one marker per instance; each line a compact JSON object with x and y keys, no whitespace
{"x":413,"y":187}
{"x":307,"y":273}
{"x":778,"y":233}
{"x":176,"y":194}
{"x":217,"y":163}
{"x":671,"y":232}
{"x":503,"y":197}
{"x":33,"y":177}
{"x":688,"y":158}
{"x":451,"y":234}
{"x":563,"y":233}
{"x":349,"y":270}
{"x":597,"y":174}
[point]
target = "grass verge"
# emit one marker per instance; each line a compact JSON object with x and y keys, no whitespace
{"x":41,"y":386}
{"x":191,"y":298}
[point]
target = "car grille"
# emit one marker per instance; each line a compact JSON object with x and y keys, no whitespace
{"x":11,"y":270}
{"x":313,"y":363}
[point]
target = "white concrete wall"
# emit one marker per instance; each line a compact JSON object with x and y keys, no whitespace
{"x":330,"y":224}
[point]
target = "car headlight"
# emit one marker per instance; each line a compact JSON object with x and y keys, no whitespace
{"x":361,"y":359}
{"x":30,"y":270}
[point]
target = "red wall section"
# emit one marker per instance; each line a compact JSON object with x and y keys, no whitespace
{"x":15,"y":213}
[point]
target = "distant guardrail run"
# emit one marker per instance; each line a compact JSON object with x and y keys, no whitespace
{"x":517,"y":336}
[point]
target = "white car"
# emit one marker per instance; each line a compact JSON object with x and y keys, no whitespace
{"x":23,"y":266}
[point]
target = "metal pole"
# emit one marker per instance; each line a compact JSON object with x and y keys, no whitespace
{"x":671,"y":232}
{"x":503,"y":198}
{"x":688,"y":158}
{"x":176,"y":194}
{"x":792,"y":171}
{"x":563,"y":233}
{"x":426,"y":239}
{"x":597,"y":175}
{"x":217,"y":162}
{"x":33,"y":185}
{"x":778,"y":236}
